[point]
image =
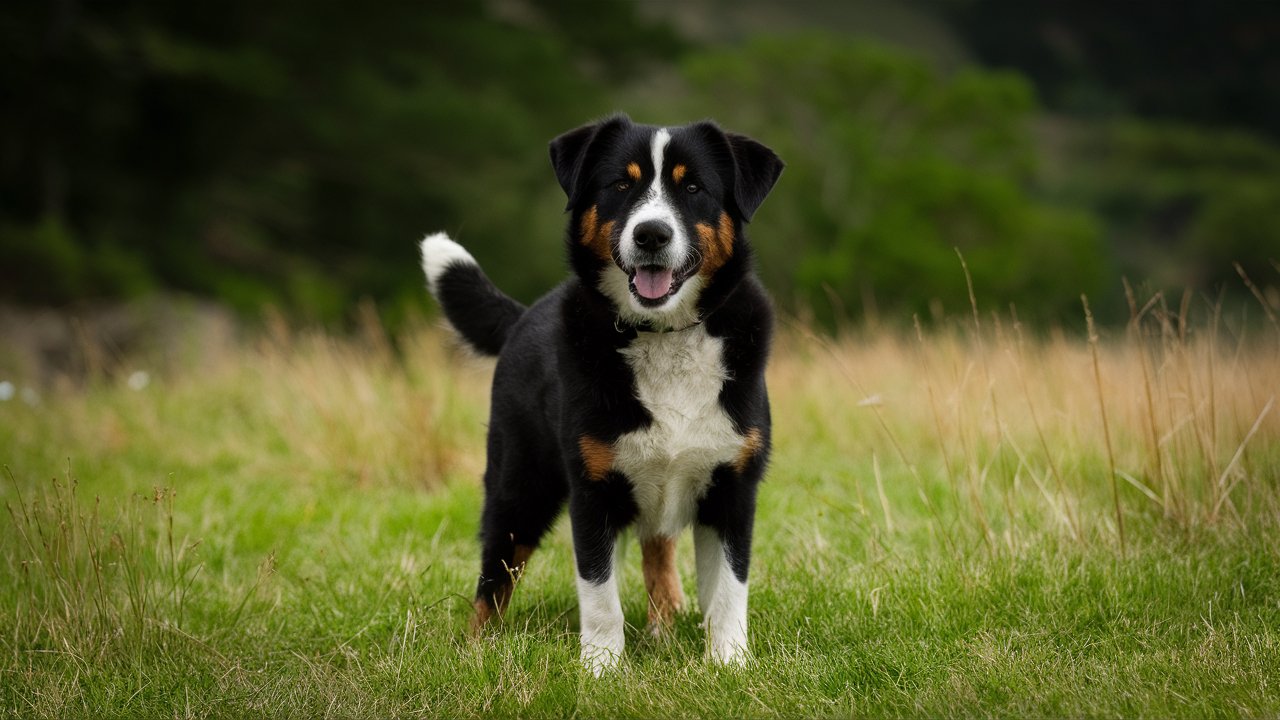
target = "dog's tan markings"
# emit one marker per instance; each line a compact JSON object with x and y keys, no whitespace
{"x":597,"y":457}
{"x":596,"y":235}
{"x":633,"y":171}
{"x":677,"y":173}
{"x":716,"y":244}
{"x":588,"y":226}
{"x":482,"y":615}
{"x":707,"y":236}
{"x":521,"y":559}
{"x":603,"y":244}
{"x":484,"y":610}
{"x":725,"y":234}
{"x":752,"y":444}
{"x":661,"y":580}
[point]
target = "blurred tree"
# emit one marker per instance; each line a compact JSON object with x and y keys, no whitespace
{"x":1171,"y":114}
{"x":1181,"y":204}
{"x":291,"y":153}
{"x":288,"y":152}
{"x":1197,"y":61}
{"x":890,"y":168}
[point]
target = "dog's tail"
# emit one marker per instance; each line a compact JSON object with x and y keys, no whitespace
{"x":480,"y":312}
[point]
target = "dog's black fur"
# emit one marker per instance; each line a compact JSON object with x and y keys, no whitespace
{"x":563,"y":393}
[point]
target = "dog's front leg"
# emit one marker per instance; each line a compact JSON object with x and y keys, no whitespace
{"x":594,"y":540}
{"x":722,"y":544}
{"x":722,"y":598}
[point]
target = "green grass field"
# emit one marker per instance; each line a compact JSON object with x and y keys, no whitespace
{"x":968,"y":522}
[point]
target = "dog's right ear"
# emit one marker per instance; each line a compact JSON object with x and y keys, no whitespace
{"x":569,"y":153}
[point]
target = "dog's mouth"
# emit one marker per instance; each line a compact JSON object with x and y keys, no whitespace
{"x":653,"y":284}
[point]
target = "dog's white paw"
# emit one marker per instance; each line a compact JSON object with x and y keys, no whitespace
{"x":599,"y":660}
{"x":602,"y":624}
{"x":728,"y":648}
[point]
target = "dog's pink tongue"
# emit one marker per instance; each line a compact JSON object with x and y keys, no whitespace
{"x":653,"y":283}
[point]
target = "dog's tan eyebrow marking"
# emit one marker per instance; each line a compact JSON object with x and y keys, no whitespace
{"x":633,"y":169}
{"x":597,"y":457}
{"x":752,"y":444}
{"x":677,"y":173}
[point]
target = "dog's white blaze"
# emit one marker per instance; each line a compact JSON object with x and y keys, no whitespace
{"x":602,"y":624}
{"x":438,"y":254}
{"x":669,"y":463}
{"x":658,"y":149}
{"x":656,"y":205}
{"x":722,"y":599}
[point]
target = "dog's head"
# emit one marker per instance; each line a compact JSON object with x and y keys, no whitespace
{"x":657,"y":213}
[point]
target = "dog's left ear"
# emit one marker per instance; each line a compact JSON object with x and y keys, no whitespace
{"x":755,"y":167}
{"x":756,"y":170}
{"x":569,"y":153}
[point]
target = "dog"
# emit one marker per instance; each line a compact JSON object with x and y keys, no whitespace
{"x":635,"y":390}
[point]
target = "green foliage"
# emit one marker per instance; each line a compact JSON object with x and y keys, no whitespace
{"x":1182,"y":204}
{"x":1195,"y":61}
{"x":46,"y":262}
{"x":289,"y":153}
{"x":891,"y":167}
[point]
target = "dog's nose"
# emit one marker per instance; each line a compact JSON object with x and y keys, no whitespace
{"x":652,"y":235}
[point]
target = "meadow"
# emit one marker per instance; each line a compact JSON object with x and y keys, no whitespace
{"x":966,"y":518}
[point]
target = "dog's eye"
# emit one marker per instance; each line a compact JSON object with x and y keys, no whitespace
{"x":622,"y":186}
{"x":692,"y":188}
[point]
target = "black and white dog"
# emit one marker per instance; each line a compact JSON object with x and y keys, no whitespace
{"x":635,"y":389}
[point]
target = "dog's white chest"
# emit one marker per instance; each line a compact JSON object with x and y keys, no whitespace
{"x":678,"y":377}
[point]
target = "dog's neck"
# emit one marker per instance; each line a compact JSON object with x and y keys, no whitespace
{"x":626,"y":326}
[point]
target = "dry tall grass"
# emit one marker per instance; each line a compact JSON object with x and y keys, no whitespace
{"x":1001,"y":432}
{"x":976,"y":426}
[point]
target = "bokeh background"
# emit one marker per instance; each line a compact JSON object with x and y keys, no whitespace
{"x":289,"y":154}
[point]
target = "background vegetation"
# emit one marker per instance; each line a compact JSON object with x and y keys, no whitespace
{"x":290,"y":155}
{"x":964,"y":522}
{"x":1001,"y":509}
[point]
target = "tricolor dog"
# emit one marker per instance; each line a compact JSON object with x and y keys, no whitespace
{"x":635,"y":390}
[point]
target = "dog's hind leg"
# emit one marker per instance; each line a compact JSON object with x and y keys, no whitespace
{"x":502,"y":564}
{"x":511,"y":527}
{"x":662,"y":581}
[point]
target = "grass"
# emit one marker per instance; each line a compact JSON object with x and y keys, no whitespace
{"x":285,"y":526}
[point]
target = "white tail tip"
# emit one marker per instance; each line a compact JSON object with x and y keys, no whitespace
{"x":438,"y":254}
